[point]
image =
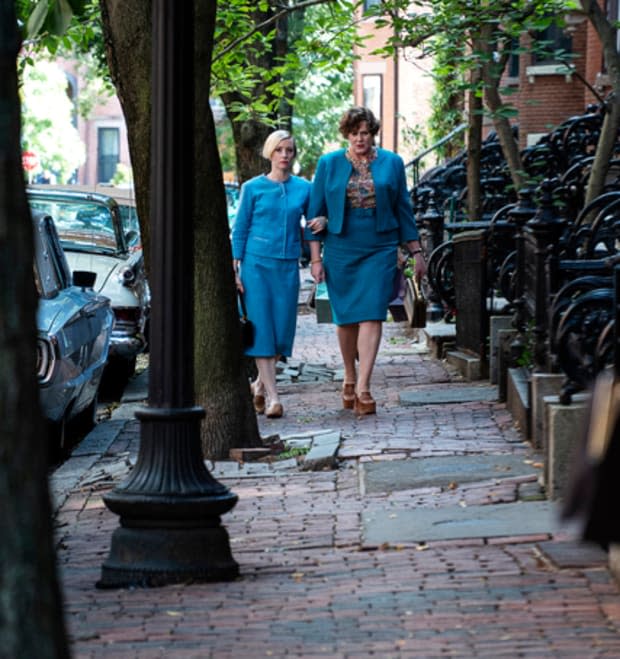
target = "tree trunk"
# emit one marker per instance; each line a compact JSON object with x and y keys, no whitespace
{"x":127,"y":37}
{"x":492,"y":71}
{"x":474,"y":143}
{"x":510,"y":146}
{"x":31,"y":622}
{"x":249,"y":136}
{"x":611,"y":123}
{"x":221,"y":383}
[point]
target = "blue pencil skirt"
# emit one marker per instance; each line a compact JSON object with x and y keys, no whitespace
{"x":360,"y":265}
{"x":271,"y":295}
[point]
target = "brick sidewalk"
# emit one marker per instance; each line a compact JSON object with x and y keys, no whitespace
{"x":309,"y":587}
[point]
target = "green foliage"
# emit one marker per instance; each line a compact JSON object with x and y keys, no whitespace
{"x":69,"y":28}
{"x":293,"y":452}
{"x":464,"y":37}
{"x":310,"y":72}
{"x":447,"y":99}
{"x":310,"y":75}
{"x":319,"y":103}
{"x":415,"y":138}
{"x":122,"y":176}
{"x":526,"y":358}
{"x":409,"y":270}
{"x":47,"y":121}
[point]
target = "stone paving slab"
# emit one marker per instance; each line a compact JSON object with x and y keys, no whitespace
{"x":322,"y":454}
{"x":569,"y":554}
{"x":399,"y":525}
{"x":389,"y":476}
{"x":455,"y":394}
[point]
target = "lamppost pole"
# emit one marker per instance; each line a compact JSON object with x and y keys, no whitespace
{"x":170,"y":505}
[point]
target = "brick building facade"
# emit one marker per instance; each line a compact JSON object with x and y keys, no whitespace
{"x":545,"y":92}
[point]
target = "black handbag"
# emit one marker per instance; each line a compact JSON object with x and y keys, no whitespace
{"x":415,"y":303}
{"x":247,"y":326}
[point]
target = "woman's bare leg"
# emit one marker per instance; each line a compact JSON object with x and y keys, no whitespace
{"x":347,"y":338}
{"x":368,"y":340}
{"x":267,"y":376}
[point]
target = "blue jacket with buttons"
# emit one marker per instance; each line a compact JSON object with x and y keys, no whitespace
{"x":394,"y":209}
{"x":268,"y":221}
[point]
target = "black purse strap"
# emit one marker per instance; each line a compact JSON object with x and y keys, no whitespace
{"x":242,"y":304}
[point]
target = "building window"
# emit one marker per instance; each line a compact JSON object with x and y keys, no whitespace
{"x":513,"y":62}
{"x":108,"y":141}
{"x":548,"y":42}
{"x":372,"y":93}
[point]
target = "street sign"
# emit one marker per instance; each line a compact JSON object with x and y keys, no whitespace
{"x":30,"y":160}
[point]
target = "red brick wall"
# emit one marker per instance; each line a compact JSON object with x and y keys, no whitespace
{"x":544,"y":101}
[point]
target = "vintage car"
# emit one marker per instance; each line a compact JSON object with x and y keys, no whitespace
{"x":232,"y":201}
{"x":74,"y":328}
{"x":98,"y":235}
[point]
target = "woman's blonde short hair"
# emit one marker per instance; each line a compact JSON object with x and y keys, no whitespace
{"x":272,"y":141}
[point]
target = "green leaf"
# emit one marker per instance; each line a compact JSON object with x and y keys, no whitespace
{"x":61,"y":16}
{"x":36,"y":19}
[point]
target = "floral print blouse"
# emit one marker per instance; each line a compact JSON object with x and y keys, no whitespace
{"x":361,"y":187}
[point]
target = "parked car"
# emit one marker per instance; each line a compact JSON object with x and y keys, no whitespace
{"x":95,"y":237}
{"x":74,"y":326}
{"x":232,"y":201}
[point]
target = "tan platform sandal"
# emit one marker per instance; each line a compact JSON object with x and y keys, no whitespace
{"x":348,"y":395}
{"x":365,"y":404}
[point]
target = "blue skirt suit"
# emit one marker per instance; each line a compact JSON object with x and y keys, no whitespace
{"x":360,"y":244}
{"x":266,"y":238}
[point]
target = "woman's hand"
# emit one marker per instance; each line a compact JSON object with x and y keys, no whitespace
{"x":238,"y":284}
{"x":317,"y":224}
{"x":316,"y":270}
{"x":420,"y":266}
{"x":416,"y":252}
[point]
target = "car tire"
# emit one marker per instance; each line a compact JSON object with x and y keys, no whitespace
{"x":85,"y":421}
{"x":56,"y":440}
{"x":116,"y":375}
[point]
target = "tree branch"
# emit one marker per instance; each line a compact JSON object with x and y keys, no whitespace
{"x":270,"y":21}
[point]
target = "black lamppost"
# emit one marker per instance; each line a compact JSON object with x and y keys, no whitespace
{"x":170,"y":505}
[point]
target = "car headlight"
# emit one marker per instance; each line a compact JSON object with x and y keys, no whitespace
{"x":127,"y":276}
{"x":46,"y":360}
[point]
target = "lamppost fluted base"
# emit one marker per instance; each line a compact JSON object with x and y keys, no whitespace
{"x":169,"y":508}
{"x":143,"y":557}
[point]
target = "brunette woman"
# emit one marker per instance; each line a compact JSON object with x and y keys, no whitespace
{"x":361,"y":212}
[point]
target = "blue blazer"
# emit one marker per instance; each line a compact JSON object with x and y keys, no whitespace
{"x":268,"y":221}
{"x":394,"y":209}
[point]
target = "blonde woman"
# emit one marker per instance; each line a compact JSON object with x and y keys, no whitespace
{"x":266,"y":245}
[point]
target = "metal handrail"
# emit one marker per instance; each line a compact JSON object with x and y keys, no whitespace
{"x":415,"y":163}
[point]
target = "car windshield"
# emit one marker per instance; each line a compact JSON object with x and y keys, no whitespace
{"x":82,"y":226}
{"x":131,"y":226}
